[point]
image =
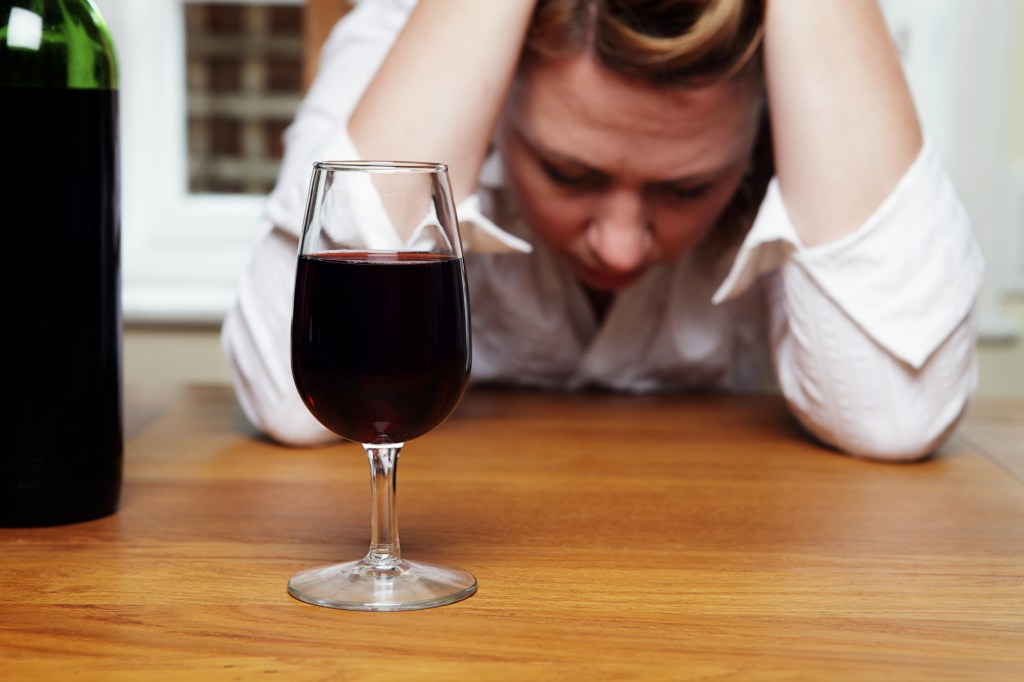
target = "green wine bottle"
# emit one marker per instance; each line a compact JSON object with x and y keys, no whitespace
{"x":62,"y":451}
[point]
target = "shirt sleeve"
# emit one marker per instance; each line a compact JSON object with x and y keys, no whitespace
{"x":916,"y":249}
{"x":873,"y":335}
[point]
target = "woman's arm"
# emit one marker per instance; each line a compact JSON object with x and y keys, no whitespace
{"x":440,"y":90}
{"x":873,"y":336}
{"x":843,"y":121}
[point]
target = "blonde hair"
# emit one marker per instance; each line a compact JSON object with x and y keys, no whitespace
{"x":669,"y":43}
{"x":666,"y":42}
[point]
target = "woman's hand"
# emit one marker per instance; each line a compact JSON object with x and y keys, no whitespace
{"x":843,"y":121}
{"x":439,"y":92}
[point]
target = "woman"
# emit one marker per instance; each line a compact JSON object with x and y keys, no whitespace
{"x":623,"y":147}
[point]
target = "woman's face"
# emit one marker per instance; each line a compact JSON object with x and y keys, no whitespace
{"x":616,"y":175}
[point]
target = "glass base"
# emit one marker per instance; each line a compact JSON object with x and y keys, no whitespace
{"x":360,"y":586}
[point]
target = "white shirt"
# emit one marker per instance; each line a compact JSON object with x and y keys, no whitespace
{"x":870,"y":339}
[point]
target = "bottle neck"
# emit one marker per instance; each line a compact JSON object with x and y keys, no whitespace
{"x":55,"y":44}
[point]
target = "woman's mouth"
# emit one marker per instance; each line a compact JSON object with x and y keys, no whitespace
{"x":604,"y":280}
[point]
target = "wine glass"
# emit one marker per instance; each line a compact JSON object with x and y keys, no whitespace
{"x":381,"y":352}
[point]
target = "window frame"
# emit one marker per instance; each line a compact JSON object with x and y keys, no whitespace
{"x":182,"y":253}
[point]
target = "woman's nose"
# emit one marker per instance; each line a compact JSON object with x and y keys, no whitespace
{"x":619,"y":234}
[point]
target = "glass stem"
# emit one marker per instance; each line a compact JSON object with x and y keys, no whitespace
{"x":385,"y":552}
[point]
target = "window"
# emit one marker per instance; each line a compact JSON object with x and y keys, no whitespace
{"x":243,"y":84}
{"x":195,"y":169}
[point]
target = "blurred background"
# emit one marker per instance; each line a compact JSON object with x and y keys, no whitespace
{"x":207,"y":89}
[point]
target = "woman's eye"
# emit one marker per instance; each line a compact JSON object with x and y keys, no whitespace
{"x":685,"y":193}
{"x":566,"y":178}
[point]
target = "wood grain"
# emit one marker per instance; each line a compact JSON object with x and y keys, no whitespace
{"x":996,"y":428}
{"x":625,"y":538}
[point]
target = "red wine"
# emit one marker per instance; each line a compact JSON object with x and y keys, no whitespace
{"x":380,"y":342}
{"x":60,"y":285}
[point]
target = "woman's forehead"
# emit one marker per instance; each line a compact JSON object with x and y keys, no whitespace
{"x":574,"y":107}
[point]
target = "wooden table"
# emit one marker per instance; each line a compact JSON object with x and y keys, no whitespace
{"x":613,"y":537}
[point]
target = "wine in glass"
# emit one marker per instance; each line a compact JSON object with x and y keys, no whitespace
{"x":381,"y":352}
